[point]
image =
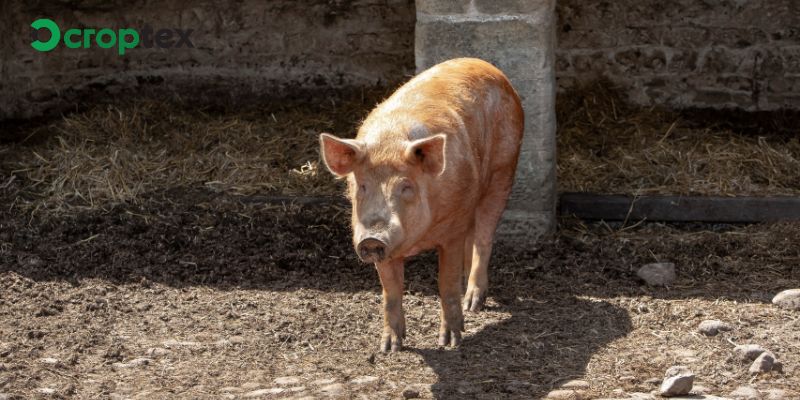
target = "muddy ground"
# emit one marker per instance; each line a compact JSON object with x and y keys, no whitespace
{"x":194,"y":294}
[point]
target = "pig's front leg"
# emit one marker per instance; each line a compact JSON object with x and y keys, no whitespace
{"x":394,"y":323}
{"x":451,"y":259}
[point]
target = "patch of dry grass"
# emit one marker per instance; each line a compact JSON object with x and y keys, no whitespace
{"x":116,"y":153}
{"x":608,"y":146}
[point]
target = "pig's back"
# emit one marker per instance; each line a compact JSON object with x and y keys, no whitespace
{"x":469,"y":100}
{"x":458,"y":84}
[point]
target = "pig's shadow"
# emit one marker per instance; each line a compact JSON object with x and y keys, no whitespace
{"x":546,"y":342}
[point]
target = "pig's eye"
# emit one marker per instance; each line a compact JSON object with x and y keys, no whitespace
{"x":362,"y":188}
{"x":407,"y":190}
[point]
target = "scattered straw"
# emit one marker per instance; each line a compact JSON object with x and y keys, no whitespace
{"x":115,"y":153}
{"x":608,"y":146}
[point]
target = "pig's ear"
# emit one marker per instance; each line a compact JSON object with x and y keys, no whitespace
{"x":428,"y":152}
{"x":340,"y":155}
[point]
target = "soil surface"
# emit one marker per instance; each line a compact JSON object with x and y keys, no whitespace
{"x":194,"y":294}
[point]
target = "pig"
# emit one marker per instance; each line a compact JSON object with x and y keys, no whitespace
{"x":432,"y":167}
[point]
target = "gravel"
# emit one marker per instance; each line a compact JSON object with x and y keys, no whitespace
{"x":657,"y":274}
{"x":712,"y":327}
{"x":764,"y":363}
{"x":789,"y":299}
{"x":678,"y":381}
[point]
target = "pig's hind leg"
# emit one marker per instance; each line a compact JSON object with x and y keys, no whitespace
{"x":487,"y":216}
{"x":469,"y":244}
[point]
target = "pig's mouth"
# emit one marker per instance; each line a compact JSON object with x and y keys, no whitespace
{"x":371,"y":250}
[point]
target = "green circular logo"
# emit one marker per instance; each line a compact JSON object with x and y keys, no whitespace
{"x":55,"y":34}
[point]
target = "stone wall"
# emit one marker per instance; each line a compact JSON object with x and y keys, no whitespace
{"x":685,"y":53}
{"x":517,"y":36}
{"x":242,"y":48}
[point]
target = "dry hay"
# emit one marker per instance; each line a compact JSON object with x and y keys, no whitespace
{"x":609,"y":146}
{"x":115,"y":153}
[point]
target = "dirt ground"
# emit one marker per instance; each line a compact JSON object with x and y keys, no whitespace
{"x":197,"y":294}
{"x":139,"y":260}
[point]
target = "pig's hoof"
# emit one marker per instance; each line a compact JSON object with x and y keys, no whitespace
{"x":450,"y":338}
{"x":391,"y":343}
{"x":474,"y":299}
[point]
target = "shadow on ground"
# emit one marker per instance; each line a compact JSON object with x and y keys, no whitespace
{"x":531,"y":353}
{"x":187,"y":238}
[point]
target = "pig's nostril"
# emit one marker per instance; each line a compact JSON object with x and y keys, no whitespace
{"x":371,"y":250}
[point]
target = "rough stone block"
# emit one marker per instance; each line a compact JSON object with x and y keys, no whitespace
{"x":439,"y":40}
{"x":513,"y":6}
{"x":442,"y":7}
{"x":518,"y":37}
{"x":520,"y":226}
{"x":505,"y":7}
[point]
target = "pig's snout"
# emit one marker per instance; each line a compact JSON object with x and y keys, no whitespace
{"x":371,"y":250}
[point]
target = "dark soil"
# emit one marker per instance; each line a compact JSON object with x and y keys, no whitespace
{"x":221,"y":296}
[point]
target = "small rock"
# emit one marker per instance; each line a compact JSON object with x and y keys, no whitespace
{"x":678,"y":381}
{"x":763,"y":363}
{"x":712,"y":327}
{"x":237,"y":339}
{"x":287,"y":380}
{"x":263,"y":392}
{"x":657,"y":274}
{"x":418,"y":390}
{"x":361,"y":380}
{"x":230,"y":389}
{"x":748,"y":352}
{"x":49,"y":361}
{"x":745,"y":393}
{"x":575,"y":385}
{"x":563,"y":394}
{"x":410,"y":393}
{"x":296,"y":389}
{"x":320,"y":382}
{"x":332,"y":389}
{"x":788,"y":299}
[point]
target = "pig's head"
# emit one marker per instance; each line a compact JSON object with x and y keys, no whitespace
{"x":388,"y":185}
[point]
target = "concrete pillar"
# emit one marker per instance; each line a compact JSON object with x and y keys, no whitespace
{"x":518,"y":36}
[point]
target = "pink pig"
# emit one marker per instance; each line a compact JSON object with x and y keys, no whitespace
{"x":431,"y":168}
